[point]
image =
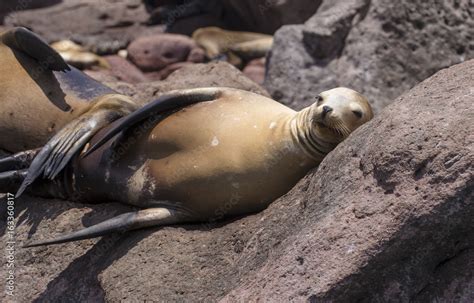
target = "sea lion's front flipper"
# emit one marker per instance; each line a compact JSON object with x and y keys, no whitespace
{"x":171,"y":101}
{"x":29,"y":43}
{"x":71,"y":139}
{"x":122,"y":223}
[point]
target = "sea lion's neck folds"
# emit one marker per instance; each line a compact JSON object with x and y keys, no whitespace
{"x":303,"y":134}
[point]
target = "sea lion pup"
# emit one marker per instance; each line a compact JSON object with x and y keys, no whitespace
{"x":232,"y":152}
{"x":40,"y":93}
{"x":237,"y":46}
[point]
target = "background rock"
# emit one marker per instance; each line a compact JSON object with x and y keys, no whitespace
{"x":190,"y":76}
{"x":153,"y":53}
{"x":102,"y":26}
{"x":380,"y":48}
{"x":266,"y":16}
{"x":123,"y":70}
{"x":255,"y":70}
{"x":10,"y":6}
{"x":386,"y":217}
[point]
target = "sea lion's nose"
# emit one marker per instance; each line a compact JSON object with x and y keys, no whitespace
{"x":326,"y":110}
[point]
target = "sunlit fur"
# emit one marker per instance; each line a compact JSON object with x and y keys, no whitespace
{"x":341,"y":121}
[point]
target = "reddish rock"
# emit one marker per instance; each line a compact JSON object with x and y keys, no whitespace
{"x":125,"y":71}
{"x":165,"y":72}
{"x":255,"y":70}
{"x":154,"y":53}
{"x":11,"y":6}
{"x":104,"y":27}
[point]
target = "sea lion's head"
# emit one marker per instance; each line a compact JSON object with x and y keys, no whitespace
{"x":338,"y":112}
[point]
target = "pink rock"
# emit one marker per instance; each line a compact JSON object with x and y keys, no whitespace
{"x":165,"y":72}
{"x":123,"y":70}
{"x":255,"y":70}
{"x":155,"y":52}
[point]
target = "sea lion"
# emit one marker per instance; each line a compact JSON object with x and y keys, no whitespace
{"x":237,"y":46}
{"x":78,"y":56}
{"x":188,"y":156}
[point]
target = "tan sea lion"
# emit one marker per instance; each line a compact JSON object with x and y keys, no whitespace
{"x":78,"y":56}
{"x":191,"y":155}
{"x":40,"y":92}
{"x":236,"y":45}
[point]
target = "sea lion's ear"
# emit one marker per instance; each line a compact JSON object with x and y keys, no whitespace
{"x":29,"y":43}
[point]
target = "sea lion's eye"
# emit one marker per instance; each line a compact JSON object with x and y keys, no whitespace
{"x":319,"y":99}
{"x":358,"y":113}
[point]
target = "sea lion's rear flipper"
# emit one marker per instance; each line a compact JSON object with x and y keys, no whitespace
{"x":122,"y":223}
{"x":72,"y":138}
{"x":13,"y":169}
{"x":11,"y":180}
{"x":171,"y":101}
{"x":29,"y":43}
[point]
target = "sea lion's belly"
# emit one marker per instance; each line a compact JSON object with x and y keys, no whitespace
{"x":228,"y":156}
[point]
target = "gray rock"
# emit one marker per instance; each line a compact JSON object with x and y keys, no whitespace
{"x":102,"y":26}
{"x":10,"y":6}
{"x":387,"y":217}
{"x":189,"y":76}
{"x":380,"y":48}
{"x":266,"y":16}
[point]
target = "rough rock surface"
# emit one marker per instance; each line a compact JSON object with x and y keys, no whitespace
{"x":386,"y":217}
{"x":381,"y":48}
{"x":255,"y":70}
{"x":191,"y":76}
{"x":123,"y":70}
{"x":102,"y":26}
{"x":11,"y":6}
{"x":266,"y":16}
{"x":153,"y":53}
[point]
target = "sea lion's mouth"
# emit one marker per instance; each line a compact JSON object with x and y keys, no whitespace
{"x":334,"y":130}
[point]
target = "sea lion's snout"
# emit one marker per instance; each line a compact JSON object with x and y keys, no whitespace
{"x":326,"y":110}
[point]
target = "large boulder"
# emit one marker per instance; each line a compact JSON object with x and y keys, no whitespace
{"x":387,"y":217}
{"x":102,"y":26}
{"x":380,"y":48}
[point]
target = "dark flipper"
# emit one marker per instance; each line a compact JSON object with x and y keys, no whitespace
{"x":70,"y":140}
{"x":11,"y":180}
{"x":171,"y":101}
{"x":18,"y":161}
{"x":29,"y":43}
{"x":122,"y":223}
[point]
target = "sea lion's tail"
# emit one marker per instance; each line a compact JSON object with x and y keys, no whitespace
{"x":122,"y":223}
{"x":29,"y":43}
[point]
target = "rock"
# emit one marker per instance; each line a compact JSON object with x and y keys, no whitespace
{"x":154,"y":53}
{"x":125,"y":71}
{"x":189,"y":25}
{"x":387,"y":217}
{"x":165,"y":72}
{"x":11,"y":6}
{"x":255,"y":70}
{"x":103,"y":27}
{"x":267,"y":16}
{"x":191,"y":76}
{"x":378,"y":48}
{"x":263,"y":16}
